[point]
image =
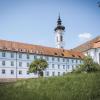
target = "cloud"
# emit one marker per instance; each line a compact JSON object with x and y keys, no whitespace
{"x":85,"y":36}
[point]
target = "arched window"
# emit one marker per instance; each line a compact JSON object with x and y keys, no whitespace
{"x":61,"y":38}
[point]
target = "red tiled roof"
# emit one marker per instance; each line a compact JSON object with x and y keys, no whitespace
{"x":94,"y":43}
{"x":37,"y":49}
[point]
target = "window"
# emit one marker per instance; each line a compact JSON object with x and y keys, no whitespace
{"x":58,"y":73}
{"x":41,"y":57}
{"x":3,"y":54}
{"x":28,"y":57}
{"x":72,"y":67}
{"x":28,"y":64}
{"x":47,"y":58}
{"x":67,"y":60}
{"x":53,"y":66}
{"x":20,"y":64}
{"x":76,"y":61}
{"x":3,"y":63}
{"x":72,"y":61}
{"x":53,"y":73}
{"x":12,"y":63}
{"x":3,"y":71}
{"x":58,"y":59}
{"x":53,"y":58}
{"x":63,"y":60}
{"x":63,"y":66}
{"x":20,"y":55}
{"x":47,"y":74}
{"x":61,"y":38}
{"x":12,"y":72}
{"x":35,"y":57}
{"x":12,"y":55}
{"x":58,"y":66}
{"x":20,"y":72}
{"x":68,"y":66}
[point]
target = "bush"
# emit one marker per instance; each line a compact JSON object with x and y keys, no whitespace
{"x":88,"y":65}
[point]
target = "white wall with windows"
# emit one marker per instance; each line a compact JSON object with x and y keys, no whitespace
{"x":15,"y":65}
{"x":94,"y":53}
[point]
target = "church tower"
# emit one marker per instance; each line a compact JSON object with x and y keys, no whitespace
{"x":59,"y":32}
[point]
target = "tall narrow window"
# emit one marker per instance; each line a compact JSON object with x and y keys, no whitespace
{"x":3,"y":71}
{"x":12,"y":72}
{"x":3,"y":54}
{"x":53,"y":58}
{"x":47,"y":58}
{"x":61,"y":38}
{"x":20,"y":64}
{"x":53,"y":73}
{"x":72,"y":67}
{"x":63,"y":66}
{"x":72,"y":61}
{"x":20,"y":55}
{"x":58,"y":66}
{"x":67,"y":60}
{"x":28,"y":56}
{"x":3,"y":63}
{"x":68,"y":66}
{"x":12,"y":63}
{"x":58,"y":73}
{"x":12,"y":55}
{"x":47,"y":73}
{"x":35,"y":57}
{"x":58,"y":59}
{"x":53,"y":66}
{"x":41,"y":57}
{"x":28,"y":64}
{"x":63,"y":59}
{"x":20,"y":72}
{"x":76,"y":61}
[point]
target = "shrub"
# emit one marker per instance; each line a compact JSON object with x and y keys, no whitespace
{"x":88,"y":65}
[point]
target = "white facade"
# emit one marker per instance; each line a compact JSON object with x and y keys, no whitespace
{"x":59,"y":39}
{"x":59,"y":34}
{"x":94,"y":53}
{"x":16,"y":64}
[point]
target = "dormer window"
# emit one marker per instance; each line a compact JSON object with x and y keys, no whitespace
{"x":73,"y":55}
{"x":55,"y":53}
{"x":62,"y":54}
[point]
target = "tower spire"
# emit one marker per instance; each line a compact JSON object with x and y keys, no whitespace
{"x":59,"y":33}
{"x":59,"y":20}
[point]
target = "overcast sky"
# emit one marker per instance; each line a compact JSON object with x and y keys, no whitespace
{"x":33,"y":21}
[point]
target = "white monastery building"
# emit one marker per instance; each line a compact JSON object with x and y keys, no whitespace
{"x":91,"y":48}
{"x":15,"y":57}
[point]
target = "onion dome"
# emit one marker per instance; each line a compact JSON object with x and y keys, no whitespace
{"x":59,"y":25}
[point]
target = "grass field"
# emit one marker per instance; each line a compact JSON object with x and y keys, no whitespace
{"x":69,"y":87}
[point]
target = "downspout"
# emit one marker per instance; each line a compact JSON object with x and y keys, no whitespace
{"x":16,"y":65}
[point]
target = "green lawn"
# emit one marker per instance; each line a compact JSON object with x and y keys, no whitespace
{"x":69,"y":87}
